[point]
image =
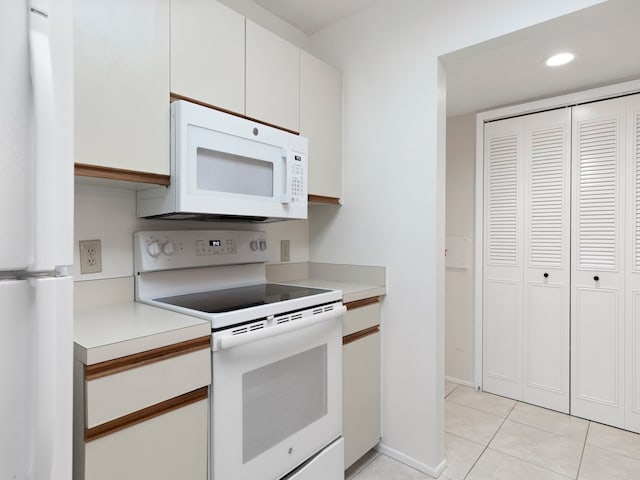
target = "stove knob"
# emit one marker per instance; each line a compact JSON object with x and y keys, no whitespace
{"x":167,"y":248}
{"x":263,"y":245}
{"x":154,"y":249}
{"x":254,"y":245}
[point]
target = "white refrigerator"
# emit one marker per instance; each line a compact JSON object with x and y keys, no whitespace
{"x":36,"y":239}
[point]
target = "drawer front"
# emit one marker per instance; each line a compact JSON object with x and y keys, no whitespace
{"x":361,"y":317}
{"x":167,"y":447}
{"x":131,"y":389}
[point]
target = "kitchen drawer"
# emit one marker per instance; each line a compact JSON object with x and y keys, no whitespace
{"x":360,"y":315}
{"x":166,"y":447}
{"x":119,"y":387}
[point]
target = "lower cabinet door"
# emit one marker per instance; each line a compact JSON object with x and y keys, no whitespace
{"x":167,"y":447}
{"x":361,"y":391}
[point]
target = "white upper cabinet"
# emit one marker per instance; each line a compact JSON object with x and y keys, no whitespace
{"x":321,"y":122}
{"x":272,"y":78}
{"x":207,"y":53}
{"x":122,"y":84}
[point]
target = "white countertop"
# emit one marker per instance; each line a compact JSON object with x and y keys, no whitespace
{"x":350,"y":291}
{"x":112,"y":331}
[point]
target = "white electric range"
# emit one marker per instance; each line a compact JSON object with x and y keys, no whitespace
{"x":276,"y":399}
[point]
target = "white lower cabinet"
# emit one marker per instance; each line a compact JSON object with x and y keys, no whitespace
{"x":145,"y":415}
{"x":361,"y":380}
{"x":166,"y":447}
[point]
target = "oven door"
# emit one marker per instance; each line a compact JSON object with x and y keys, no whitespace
{"x":276,"y":400}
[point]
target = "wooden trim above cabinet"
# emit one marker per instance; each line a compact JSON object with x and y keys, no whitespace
{"x":96,"y":171}
{"x":176,"y":96}
{"x":323,"y":199}
{"x":362,"y":303}
{"x":361,"y":334}
{"x":145,"y":414}
{"x":117,"y":365}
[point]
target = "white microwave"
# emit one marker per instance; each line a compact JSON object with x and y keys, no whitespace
{"x":226,"y":168}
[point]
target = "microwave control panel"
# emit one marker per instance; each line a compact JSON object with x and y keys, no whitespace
{"x":297,"y":182}
{"x":168,"y":250}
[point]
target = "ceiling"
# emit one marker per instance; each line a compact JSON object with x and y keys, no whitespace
{"x":510,"y":69}
{"x":313,"y":15}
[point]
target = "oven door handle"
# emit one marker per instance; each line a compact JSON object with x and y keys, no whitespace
{"x":281,"y":329}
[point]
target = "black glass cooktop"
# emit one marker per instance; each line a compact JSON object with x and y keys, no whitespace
{"x":219,"y":301}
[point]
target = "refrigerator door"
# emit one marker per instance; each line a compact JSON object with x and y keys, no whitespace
{"x":15,"y":135}
{"x":51,"y":60}
{"x":14,"y":378}
{"x":36,"y":135}
{"x":36,"y":365}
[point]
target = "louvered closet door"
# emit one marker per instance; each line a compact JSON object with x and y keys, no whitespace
{"x":597,"y":307}
{"x":546,"y":260}
{"x":502,"y":287}
{"x":632,"y":290}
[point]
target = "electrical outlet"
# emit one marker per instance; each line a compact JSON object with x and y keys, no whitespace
{"x":90,"y":256}
{"x":285,"y":250}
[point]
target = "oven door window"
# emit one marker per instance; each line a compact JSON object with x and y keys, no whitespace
{"x":282,"y":398}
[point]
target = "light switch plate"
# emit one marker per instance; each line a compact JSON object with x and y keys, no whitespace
{"x":90,"y":256}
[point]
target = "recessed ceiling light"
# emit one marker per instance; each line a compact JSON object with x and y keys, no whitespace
{"x":559,"y":59}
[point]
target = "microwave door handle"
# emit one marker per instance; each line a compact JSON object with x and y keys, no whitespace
{"x":285,"y":198}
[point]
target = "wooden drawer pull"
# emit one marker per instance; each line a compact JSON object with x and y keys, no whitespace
{"x":362,"y":303}
{"x":117,"y":365}
{"x":361,"y":334}
{"x":145,"y":414}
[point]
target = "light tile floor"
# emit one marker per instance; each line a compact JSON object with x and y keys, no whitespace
{"x":488,"y":437}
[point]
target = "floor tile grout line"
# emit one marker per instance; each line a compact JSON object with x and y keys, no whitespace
{"x":584,"y":446}
{"x":452,"y":390}
{"x":489,"y":442}
{"x":481,"y":411}
{"x":614,"y":452}
{"x":542,"y":429}
{"x":531,"y":463}
{"x":465,"y":439}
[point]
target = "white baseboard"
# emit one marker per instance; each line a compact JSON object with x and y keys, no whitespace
{"x":466,"y":383}
{"x":434,"y":472}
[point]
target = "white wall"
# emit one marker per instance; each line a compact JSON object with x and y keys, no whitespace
{"x":394,"y":170}
{"x":460,"y":211}
{"x":109,"y":214}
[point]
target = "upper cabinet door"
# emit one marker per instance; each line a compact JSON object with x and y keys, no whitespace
{"x":122,"y":84}
{"x":273,"y":78}
{"x":207,"y":53}
{"x":321,"y":122}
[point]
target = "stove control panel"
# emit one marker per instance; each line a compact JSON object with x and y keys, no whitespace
{"x":168,"y":250}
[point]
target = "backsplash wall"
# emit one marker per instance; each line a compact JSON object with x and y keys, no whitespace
{"x":109,"y":214}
